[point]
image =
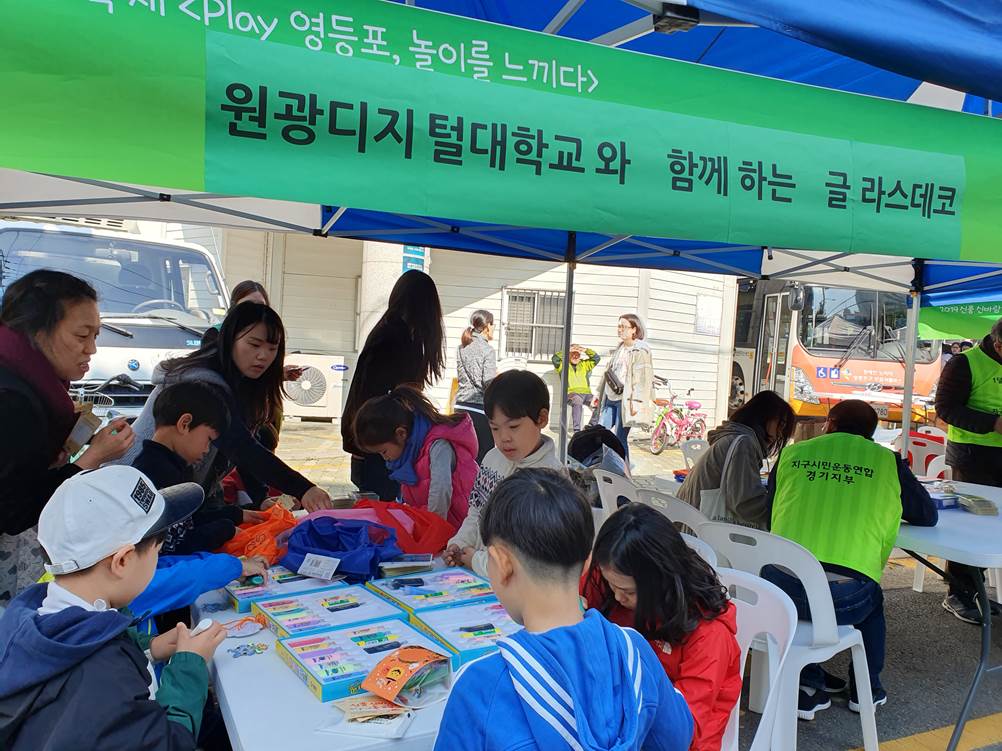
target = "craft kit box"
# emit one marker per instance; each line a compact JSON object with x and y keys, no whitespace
{"x":334,"y":663}
{"x":469,"y":631}
{"x":334,"y":607}
{"x":434,"y":590}
{"x":281,"y":582}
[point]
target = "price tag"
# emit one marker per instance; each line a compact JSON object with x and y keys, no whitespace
{"x":882,"y":411}
{"x":319,"y":566}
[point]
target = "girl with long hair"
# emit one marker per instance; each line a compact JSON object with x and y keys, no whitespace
{"x":733,"y":463}
{"x":406,"y":346}
{"x":244,"y":365}
{"x":476,"y":366}
{"x":433,"y":456}
{"x":643,"y":575}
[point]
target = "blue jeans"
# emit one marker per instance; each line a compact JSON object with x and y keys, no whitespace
{"x":612,"y":418}
{"x":858,"y":602}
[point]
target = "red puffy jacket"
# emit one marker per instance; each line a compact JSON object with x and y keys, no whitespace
{"x":705,"y":668}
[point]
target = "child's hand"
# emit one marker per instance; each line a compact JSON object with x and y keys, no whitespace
{"x":164,"y":646}
{"x":452,"y":555}
{"x":254,"y":566}
{"x":466,"y":558}
{"x":204,"y":645}
{"x":254,"y":517}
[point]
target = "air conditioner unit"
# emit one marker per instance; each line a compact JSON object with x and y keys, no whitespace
{"x":318,"y":392}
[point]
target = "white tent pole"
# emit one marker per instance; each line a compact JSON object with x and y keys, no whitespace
{"x":911,"y":345}
{"x":568,"y":319}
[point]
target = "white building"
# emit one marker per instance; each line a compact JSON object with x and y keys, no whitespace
{"x":330,"y":292}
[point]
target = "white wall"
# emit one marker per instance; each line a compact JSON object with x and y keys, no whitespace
{"x":687,"y":358}
{"x":666,"y":301}
{"x":328,"y":292}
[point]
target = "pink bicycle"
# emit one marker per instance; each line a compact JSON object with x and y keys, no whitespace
{"x":674,"y":424}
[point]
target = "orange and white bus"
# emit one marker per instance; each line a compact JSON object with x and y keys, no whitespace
{"x":817,"y":345}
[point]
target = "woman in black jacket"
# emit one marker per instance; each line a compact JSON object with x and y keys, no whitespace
{"x":407,"y":345}
{"x":49,"y":322}
{"x":243,"y":365}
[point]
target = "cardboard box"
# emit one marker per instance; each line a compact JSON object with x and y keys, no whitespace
{"x":446,"y":588}
{"x":333,"y":663}
{"x":470,"y":631}
{"x":281,"y":582}
{"x":86,"y":426}
{"x":336,"y":606}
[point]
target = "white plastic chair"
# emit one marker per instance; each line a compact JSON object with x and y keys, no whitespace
{"x":931,"y":430}
{"x":995,"y":580}
{"x":921,"y":452}
{"x":815,"y":641}
{"x":674,"y":508}
{"x":705,"y":551}
{"x":610,"y":488}
{"x":763,"y":610}
{"x":938,"y":466}
{"x":692,"y":450}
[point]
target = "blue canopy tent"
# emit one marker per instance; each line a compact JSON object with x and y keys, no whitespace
{"x":891,"y":50}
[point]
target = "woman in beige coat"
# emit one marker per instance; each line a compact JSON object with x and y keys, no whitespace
{"x":627,"y":392}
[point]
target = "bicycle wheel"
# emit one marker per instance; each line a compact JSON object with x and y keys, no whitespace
{"x":659,"y":438}
{"x":698,"y":428}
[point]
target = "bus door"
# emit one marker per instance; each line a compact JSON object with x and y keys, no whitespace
{"x":772,"y":367}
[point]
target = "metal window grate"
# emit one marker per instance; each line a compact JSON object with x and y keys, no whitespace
{"x":534,"y":328}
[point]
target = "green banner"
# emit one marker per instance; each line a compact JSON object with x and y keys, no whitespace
{"x":377,"y":105}
{"x":961,"y":321}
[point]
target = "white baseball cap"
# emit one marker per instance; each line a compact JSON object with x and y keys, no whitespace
{"x":94,"y":513}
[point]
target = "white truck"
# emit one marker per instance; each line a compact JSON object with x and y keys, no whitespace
{"x":156,"y":299}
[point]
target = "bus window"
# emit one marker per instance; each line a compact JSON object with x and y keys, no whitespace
{"x":891,"y":333}
{"x":745,"y":333}
{"x":834,"y":320}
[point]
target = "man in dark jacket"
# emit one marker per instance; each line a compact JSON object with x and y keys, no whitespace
{"x":969,"y":400}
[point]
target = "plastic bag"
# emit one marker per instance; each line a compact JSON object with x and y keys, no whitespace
{"x":260,"y":538}
{"x":360,"y":546}
{"x":418,"y":530}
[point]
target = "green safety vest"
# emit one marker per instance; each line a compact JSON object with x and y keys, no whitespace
{"x":839,"y":496}
{"x":986,"y":396}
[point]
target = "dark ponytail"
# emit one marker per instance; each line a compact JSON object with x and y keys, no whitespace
{"x":377,"y":420}
{"x":480,"y":320}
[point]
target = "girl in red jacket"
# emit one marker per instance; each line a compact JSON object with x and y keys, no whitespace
{"x":644,"y":576}
{"x":433,"y":456}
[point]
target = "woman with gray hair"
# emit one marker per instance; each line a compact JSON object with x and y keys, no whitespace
{"x":476,"y":366}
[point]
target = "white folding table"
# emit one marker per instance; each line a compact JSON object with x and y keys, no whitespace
{"x":265,"y":706}
{"x":962,"y":537}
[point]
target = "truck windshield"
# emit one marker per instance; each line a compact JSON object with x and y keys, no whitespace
{"x":871,"y":324}
{"x":132,"y":277}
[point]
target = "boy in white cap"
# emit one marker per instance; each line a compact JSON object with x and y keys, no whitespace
{"x":74,"y":672}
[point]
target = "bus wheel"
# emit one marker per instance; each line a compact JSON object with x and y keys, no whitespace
{"x":737,"y":397}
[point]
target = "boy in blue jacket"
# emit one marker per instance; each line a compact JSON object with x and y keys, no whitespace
{"x":189,"y":416}
{"x":568,"y":679}
{"x":74,"y":672}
